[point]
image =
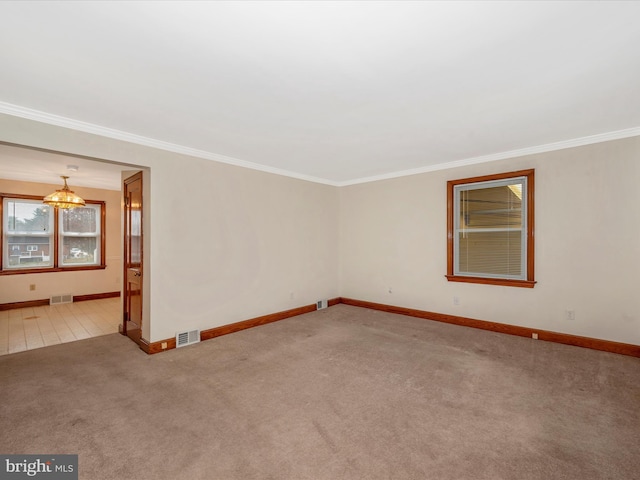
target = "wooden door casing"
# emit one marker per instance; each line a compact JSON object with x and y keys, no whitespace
{"x":133,"y":258}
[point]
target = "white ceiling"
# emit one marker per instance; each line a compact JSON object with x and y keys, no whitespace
{"x":335,"y":92}
{"x":29,"y":165}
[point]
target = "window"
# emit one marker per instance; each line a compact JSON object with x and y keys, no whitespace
{"x":490,"y":229}
{"x":27,"y":234}
{"x":80,"y":236}
{"x":36,"y":237}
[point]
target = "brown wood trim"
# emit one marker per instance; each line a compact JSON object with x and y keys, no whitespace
{"x":27,"y":304}
{"x":565,"y":338}
{"x":103,"y":233}
{"x":56,"y":238}
{"x":531,"y":250}
{"x":531,"y":226}
{"x":95,"y":296}
{"x":334,"y":301}
{"x":1,"y":231}
{"x":156,"y":347}
{"x":56,"y":241}
{"x":495,"y":176}
{"x":492,"y":281}
{"x":26,"y":271}
{"x":126,"y":249}
{"x":450,"y":229}
{"x":22,"y":196}
{"x":45,"y":301}
{"x":254,"y":322}
{"x":144,"y":345}
{"x":530,"y":281}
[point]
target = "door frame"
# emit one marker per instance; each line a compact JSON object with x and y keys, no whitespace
{"x":138,"y":335}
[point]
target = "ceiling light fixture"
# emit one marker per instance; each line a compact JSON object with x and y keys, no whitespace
{"x":64,"y":198}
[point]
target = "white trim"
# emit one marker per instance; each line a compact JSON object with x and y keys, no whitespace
{"x":65,"y":122}
{"x":549,"y":147}
{"x":39,"y":116}
{"x":465,"y":187}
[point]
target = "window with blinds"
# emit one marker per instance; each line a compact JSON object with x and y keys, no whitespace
{"x":490,"y":232}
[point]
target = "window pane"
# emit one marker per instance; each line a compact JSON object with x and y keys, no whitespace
{"x":79,"y":251}
{"x":80,"y":220}
{"x":490,"y":228}
{"x":79,"y":236}
{"x":30,"y":239}
{"x":27,"y":216}
{"x":136,"y":237}
{"x":28,"y":227}
{"x":23,"y":251}
{"x":490,"y":253}
{"x":494,"y":207}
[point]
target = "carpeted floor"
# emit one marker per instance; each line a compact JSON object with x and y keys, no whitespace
{"x":341,"y":393}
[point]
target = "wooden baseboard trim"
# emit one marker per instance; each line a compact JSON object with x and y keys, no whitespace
{"x":45,"y":301}
{"x":156,"y":347}
{"x":144,"y":345}
{"x":334,"y":301}
{"x":254,"y":322}
{"x":95,"y":296}
{"x":30,"y":303}
{"x":549,"y":336}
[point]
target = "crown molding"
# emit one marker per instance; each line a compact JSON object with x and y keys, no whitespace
{"x":70,"y":123}
{"x":57,"y":120}
{"x":549,"y":147}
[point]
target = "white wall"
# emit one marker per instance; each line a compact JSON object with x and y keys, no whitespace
{"x":393,"y":234}
{"x":15,"y":288}
{"x":225,"y":243}
{"x":238,"y":243}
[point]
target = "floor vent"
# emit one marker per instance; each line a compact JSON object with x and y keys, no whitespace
{"x":187,"y":338}
{"x":58,"y":299}
{"x":321,"y":304}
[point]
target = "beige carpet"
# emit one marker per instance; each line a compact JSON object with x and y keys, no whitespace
{"x":342,"y":393}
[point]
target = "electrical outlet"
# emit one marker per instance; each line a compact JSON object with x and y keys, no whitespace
{"x":534,"y":336}
{"x":570,"y":315}
{"x":164,"y":345}
{"x":32,"y":287}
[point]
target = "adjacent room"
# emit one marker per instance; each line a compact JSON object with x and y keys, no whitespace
{"x":321,"y":240}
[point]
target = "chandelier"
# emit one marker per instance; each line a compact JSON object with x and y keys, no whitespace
{"x":64,"y":198}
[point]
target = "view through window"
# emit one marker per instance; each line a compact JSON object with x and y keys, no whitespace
{"x":490,"y":229}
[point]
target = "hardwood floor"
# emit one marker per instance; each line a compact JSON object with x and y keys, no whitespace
{"x":35,"y":327}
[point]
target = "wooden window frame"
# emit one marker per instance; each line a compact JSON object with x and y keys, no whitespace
{"x":529,"y":282}
{"x":56,"y":238}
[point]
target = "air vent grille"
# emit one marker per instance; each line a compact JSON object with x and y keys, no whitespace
{"x":187,"y":338}
{"x":321,"y":304}
{"x":58,"y":299}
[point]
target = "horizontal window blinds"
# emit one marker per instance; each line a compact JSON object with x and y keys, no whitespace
{"x":490,"y":229}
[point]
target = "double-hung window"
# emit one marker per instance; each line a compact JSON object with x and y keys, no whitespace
{"x":79,"y":233}
{"x":28,"y":234}
{"x":39,"y":238}
{"x":490,"y":229}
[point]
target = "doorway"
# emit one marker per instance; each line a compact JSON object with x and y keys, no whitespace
{"x":29,"y":166}
{"x":133,"y":258}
